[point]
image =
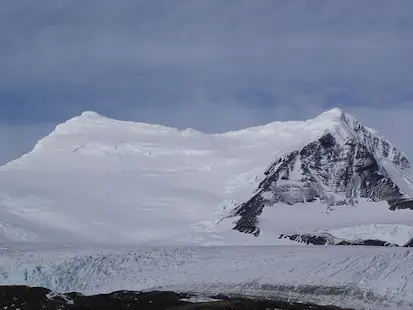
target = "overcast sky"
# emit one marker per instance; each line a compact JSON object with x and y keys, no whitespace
{"x":212,"y":65}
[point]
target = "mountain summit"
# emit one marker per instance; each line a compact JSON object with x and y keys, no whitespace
{"x":347,"y":163}
{"x":99,"y":180}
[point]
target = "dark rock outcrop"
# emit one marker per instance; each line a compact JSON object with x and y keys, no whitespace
{"x":330,"y":171}
{"x":307,"y":239}
{"x":26,"y":298}
{"x":323,"y":240}
{"x":368,"y":242}
{"x":409,"y":244}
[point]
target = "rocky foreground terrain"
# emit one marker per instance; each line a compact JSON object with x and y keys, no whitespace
{"x":25,"y":298}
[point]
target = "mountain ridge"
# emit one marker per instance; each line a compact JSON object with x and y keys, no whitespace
{"x":348,"y":159}
{"x":90,"y":120}
{"x":95,"y":179}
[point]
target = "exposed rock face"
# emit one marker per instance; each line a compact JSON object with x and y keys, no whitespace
{"x":324,"y":240}
{"x":343,"y":165}
{"x":26,"y":298}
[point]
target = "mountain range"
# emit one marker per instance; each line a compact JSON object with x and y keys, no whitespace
{"x":96,"y":180}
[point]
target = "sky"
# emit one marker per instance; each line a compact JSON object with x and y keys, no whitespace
{"x":211,"y":65}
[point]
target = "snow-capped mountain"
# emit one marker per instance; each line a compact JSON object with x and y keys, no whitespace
{"x":98,"y":180}
{"x":347,"y":163}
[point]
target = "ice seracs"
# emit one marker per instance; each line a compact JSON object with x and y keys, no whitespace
{"x":99,"y":180}
{"x":355,"y":278}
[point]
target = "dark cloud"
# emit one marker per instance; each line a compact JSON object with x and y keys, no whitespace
{"x":213,"y":65}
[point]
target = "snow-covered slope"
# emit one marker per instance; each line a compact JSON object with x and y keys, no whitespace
{"x":98,"y":180}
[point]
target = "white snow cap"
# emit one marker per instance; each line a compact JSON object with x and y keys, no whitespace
{"x":335,"y":112}
{"x":91,"y":128}
{"x":90,"y":114}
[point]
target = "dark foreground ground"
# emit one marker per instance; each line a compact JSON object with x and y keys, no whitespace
{"x":25,"y":298}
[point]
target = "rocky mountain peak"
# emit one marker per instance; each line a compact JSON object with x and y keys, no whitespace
{"x":347,"y":163}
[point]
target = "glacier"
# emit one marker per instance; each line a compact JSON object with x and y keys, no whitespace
{"x":357,"y":277}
